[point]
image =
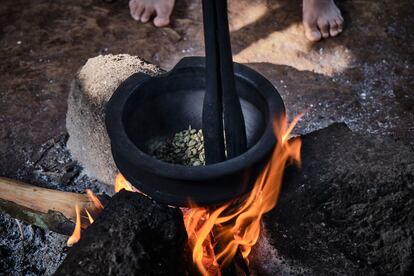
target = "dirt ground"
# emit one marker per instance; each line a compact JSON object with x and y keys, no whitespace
{"x":363,"y":77}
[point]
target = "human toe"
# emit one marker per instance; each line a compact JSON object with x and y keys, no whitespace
{"x":333,"y":28}
{"x":135,"y":9}
{"x":146,"y":15}
{"x":312,"y":32}
{"x":340,"y":23}
{"x":161,"y":21}
{"x":163,"y":16}
{"x":323,"y":26}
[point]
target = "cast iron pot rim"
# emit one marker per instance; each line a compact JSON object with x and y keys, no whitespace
{"x":125,"y":148}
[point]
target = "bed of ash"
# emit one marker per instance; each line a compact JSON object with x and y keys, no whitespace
{"x":27,"y":249}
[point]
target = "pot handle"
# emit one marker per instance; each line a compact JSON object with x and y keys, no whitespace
{"x":195,"y":61}
{"x":135,"y":80}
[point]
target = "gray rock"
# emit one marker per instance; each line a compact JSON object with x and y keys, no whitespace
{"x":349,"y":210}
{"x":132,"y":236}
{"x":93,"y":86}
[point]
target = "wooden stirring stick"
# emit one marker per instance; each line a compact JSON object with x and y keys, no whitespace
{"x":221,"y":102}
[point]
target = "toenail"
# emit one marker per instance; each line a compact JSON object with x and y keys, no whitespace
{"x":315,"y":36}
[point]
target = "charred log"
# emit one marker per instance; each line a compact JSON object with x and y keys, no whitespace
{"x":132,"y":236}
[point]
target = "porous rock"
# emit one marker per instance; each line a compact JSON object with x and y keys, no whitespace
{"x":91,"y":89}
{"x":132,"y":236}
{"x":349,"y":210}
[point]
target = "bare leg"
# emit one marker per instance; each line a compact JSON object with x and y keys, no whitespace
{"x":321,"y":19}
{"x":143,"y":10}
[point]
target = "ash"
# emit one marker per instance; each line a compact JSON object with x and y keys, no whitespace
{"x":27,"y":249}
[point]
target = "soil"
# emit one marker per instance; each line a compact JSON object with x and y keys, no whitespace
{"x":363,"y":78}
{"x":27,"y":249}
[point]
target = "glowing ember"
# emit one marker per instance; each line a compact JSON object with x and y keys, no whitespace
{"x":198,"y":224}
{"x":122,"y":183}
{"x":237,"y":225}
{"x":75,"y":237}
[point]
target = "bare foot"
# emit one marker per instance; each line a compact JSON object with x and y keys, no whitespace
{"x":143,"y":10}
{"x":321,"y":19}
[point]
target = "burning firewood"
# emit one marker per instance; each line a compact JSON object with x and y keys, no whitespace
{"x":45,"y":208}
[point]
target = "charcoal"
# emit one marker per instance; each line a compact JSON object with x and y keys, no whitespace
{"x":349,"y":210}
{"x":132,"y":236}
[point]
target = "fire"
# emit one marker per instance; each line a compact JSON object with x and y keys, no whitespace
{"x":90,"y":218}
{"x":215,"y":236}
{"x":122,"y":183}
{"x":97,"y":208}
{"x":198,"y":224}
{"x":234,"y":226}
{"x":75,"y":237}
{"x":92,"y":197}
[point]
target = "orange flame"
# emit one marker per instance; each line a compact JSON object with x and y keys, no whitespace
{"x":238,"y":228}
{"x":98,"y":207}
{"x":232,"y":228}
{"x":122,"y":183}
{"x":75,"y":237}
{"x":94,"y":199}
{"x":198,"y":223}
{"x":90,"y":218}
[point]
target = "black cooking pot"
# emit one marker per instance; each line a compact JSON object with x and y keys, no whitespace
{"x":144,"y":109}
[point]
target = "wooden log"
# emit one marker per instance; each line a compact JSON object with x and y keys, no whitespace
{"x":132,"y":236}
{"x":49,"y":209}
